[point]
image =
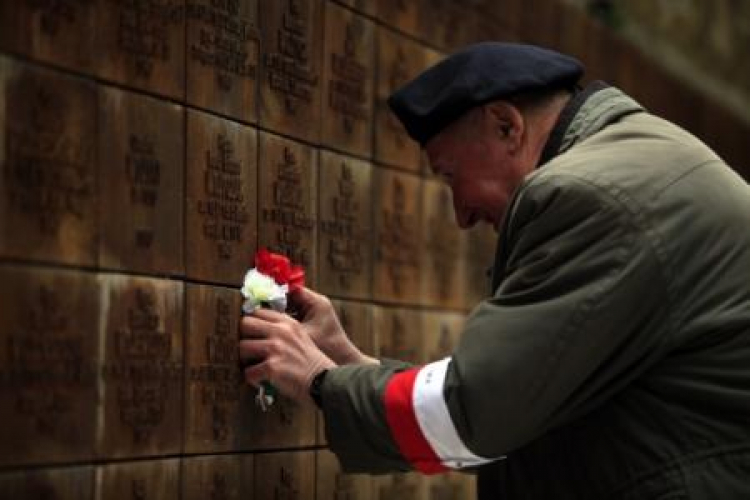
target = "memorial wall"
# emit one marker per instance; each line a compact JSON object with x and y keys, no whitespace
{"x":149,"y":147}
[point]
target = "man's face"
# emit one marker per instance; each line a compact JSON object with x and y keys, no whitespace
{"x":480,"y":166}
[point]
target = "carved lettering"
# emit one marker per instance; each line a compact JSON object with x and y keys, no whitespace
{"x":346,"y":239}
{"x":288,"y":211}
{"x":226,"y":41}
{"x":46,"y":170}
{"x":397,"y":248}
{"x":219,"y":379}
{"x":397,"y":76}
{"x":143,"y":171}
{"x":58,"y":14}
{"x":400,"y":346}
{"x":141,"y":369}
{"x":223,"y":210}
{"x":46,"y":359}
{"x":143,"y":31}
{"x":288,"y":66}
{"x":347,"y":93}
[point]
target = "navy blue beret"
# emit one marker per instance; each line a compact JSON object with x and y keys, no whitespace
{"x":476,"y":75}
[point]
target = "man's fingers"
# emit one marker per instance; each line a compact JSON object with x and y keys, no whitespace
{"x":254,"y":350}
{"x":253,"y":327}
{"x":269,"y":315}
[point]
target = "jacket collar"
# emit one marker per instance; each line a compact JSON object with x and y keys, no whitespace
{"x":587,"y":112}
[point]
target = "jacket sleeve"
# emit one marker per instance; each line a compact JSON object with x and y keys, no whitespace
{"x":581,"y":311}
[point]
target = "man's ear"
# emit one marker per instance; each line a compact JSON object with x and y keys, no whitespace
{"x":508,"y":121}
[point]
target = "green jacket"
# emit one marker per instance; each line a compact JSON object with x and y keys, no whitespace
{"x":613,"y":359}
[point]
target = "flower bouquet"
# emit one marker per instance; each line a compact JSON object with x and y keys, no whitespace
{"x":267,"y":285}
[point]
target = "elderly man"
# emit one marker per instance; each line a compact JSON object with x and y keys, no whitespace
{"x":612,"y":359}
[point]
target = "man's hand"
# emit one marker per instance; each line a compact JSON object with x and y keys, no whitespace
{"x":288,"y":357}
{"x":320,"y":322}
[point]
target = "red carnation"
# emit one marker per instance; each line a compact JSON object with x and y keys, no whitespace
{"x":280,"y":269}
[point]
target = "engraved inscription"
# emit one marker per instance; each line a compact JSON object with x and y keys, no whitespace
{"x":45,"y":361}
{"x":143,"y":31}
{"x":345,"y":252}
{"x":397,"y":248}
{"x":443,"y":246}
{"x":288,"y":211}
{"x":144,"y":176}
{"x":219,"y":379}
{"x":223,"y":209}
{"x":397,"y":76}
{"x":399,"y":346}
{"x":286,"y":487}
{"x":46,"y":169}
{"x":55,"y":15}
{"x":347,"y":90}
{"x":288,"y":63}
{"x":141,"y":368}
{"x":222,"y":41}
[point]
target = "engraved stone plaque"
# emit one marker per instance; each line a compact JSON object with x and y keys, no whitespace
{"x":221,"y":223}
{"x":142,"y":44}
{"x":441,"y":333}
{"x":287,"y":201}
{"x":290,"y":69}
{"x":142,"y":332}
{"x":399,"y":333}
{"x":214,"y":382}
{"x":396,"y":209}
{"x":345,"y":226}
{"x":141,"y":142}
{"x":443,"y":249}
{"x":223,"y":49}
{"x":399,"y":60}
{"x":48,"y":179}
{"x":48,"y":363}
{"x":70,"y":483}
{"x":348,"y":81}
{"x":481,"y":241}
{"x":219,"y":477}
{"x":146,"y":480}
{"x":333,"y":484}
{"x":406,"y":486}
{"x":285,"y":476}
{"x":57,"y":32}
